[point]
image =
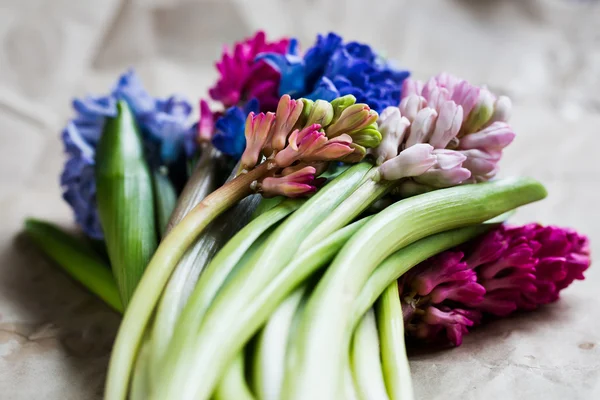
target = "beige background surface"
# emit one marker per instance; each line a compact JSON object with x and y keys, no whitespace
{"x":55,"y":338}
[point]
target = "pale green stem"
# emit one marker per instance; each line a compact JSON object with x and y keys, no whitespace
{"x":390,"y":324}
{"x":233,"y":385}
{"x":324,"y":340}
{"x":150,"y":287}
{"x":246,"y":285}
{"x":272,"y":342}
{"x":366,"y":360}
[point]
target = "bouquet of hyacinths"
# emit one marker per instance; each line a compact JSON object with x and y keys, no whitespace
{"x":381,"y":220}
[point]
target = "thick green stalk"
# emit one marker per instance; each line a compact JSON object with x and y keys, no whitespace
{"x":403,"y":260}
{"x":233,"y":385}
{"x":210,"y":282}
{"x":202,"y":182}
{"x":125,"y":200}
{"x":262,"y":269}
{"x":246,"y":322}
{"x":165,"y":259}
{"x":323,"y":341}
{"x":140,"y":382}
{"x":166,"y":198}
{"x":366,"y":360}
{"x":77,"y":259}
{"x":390,"y":324}
{"x":350,"y":391}
{"x":371,"y":190}
{"x":271,"y":345}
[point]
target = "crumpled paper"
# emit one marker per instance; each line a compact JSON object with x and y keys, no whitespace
{"x":55,"y":339}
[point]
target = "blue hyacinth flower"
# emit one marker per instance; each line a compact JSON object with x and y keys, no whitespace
{"x":331,"y":68}
{"x":163,"y":124}
{"x":229,"y":135}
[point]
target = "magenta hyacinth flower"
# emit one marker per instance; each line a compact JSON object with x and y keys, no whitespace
{"x":242,"y":78}
{"x":509,"y":269}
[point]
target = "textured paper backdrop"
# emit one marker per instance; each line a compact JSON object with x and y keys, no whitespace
{"x":55,"y":339}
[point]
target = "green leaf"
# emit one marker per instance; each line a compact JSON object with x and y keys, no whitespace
{"x":166,"y":198}
{"x":77,"y":259}
{"x":125,"y":200}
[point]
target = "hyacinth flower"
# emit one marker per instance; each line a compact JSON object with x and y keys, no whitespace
{"x":306,"y":144}
{"x":164,"y":126}
{"x":444,"y":133}
{"x":245,"y":85}
{"x":331,"y":68}
{"x":328,"y":70}
{"x":506,"y":270}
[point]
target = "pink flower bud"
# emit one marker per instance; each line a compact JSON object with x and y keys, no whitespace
{"x":411,"y":87}
{"x":447,"y":80}
{"x":295,"y":183}
{"x":311,"y":144}
{"x":411,"y":105}
{"x":447,"y":171}
{"x":422,"y":127}
{"x":392,"y":127}
{"x":206,"y":124}
{"x":480,"y":163}
{"x":465,"y":95}
{"x":258,"y":130}
{"x":434,"y":94}
{"x":412,"y":161}
{"x":447,"y":125}
{"x":493,"y":138}
{"x":287,"y":114}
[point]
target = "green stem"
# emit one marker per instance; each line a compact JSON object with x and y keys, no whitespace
{"x":366,"y":361}
{"x":201,"y":184}
{"x":140,"y":382}
{"x":249,"y":283}
{"x":324,"y":341}
{"x":211,"y":281}
{"x":157,"y":273}
{"x":403,"y":260}
{"x":367,"y":193}
{"x":77,"y":259}
{"x":269,"y":358}
{"x":233,"y":385}
{"x":390,"y":324}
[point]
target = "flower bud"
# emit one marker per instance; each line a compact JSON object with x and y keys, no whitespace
{"x":412,"y":161}
{"x":481,"y":113}
{"x":502,"y":110}
{"x":368,"y":137}
{"x":447,"y":170}
{"x":480,"y":163}
{"x":493,"y":138}
{"x":206,"y":124}
{"x":258,"y":131}
{"x":422,"y":127}
{"x":340,"y":104}
{"x":287,"y":114}
{"x":392,"y":127}
{"x":434,"y":94}
{"x":357,"y":155}
{"x":411,"y":87}
{"x":466,"y":96}
{"x":295,"y":183}
{"x":321,"y":113}
{"x":353,"y":118}
{"x":447,"y":125}
{"x":411,"y":105}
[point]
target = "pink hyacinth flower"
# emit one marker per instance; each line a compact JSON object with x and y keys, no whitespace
{"x":288,"y":113}
{"x":506,"y":270}
{"x":293,"y":183}
{"x":242,"y":78}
